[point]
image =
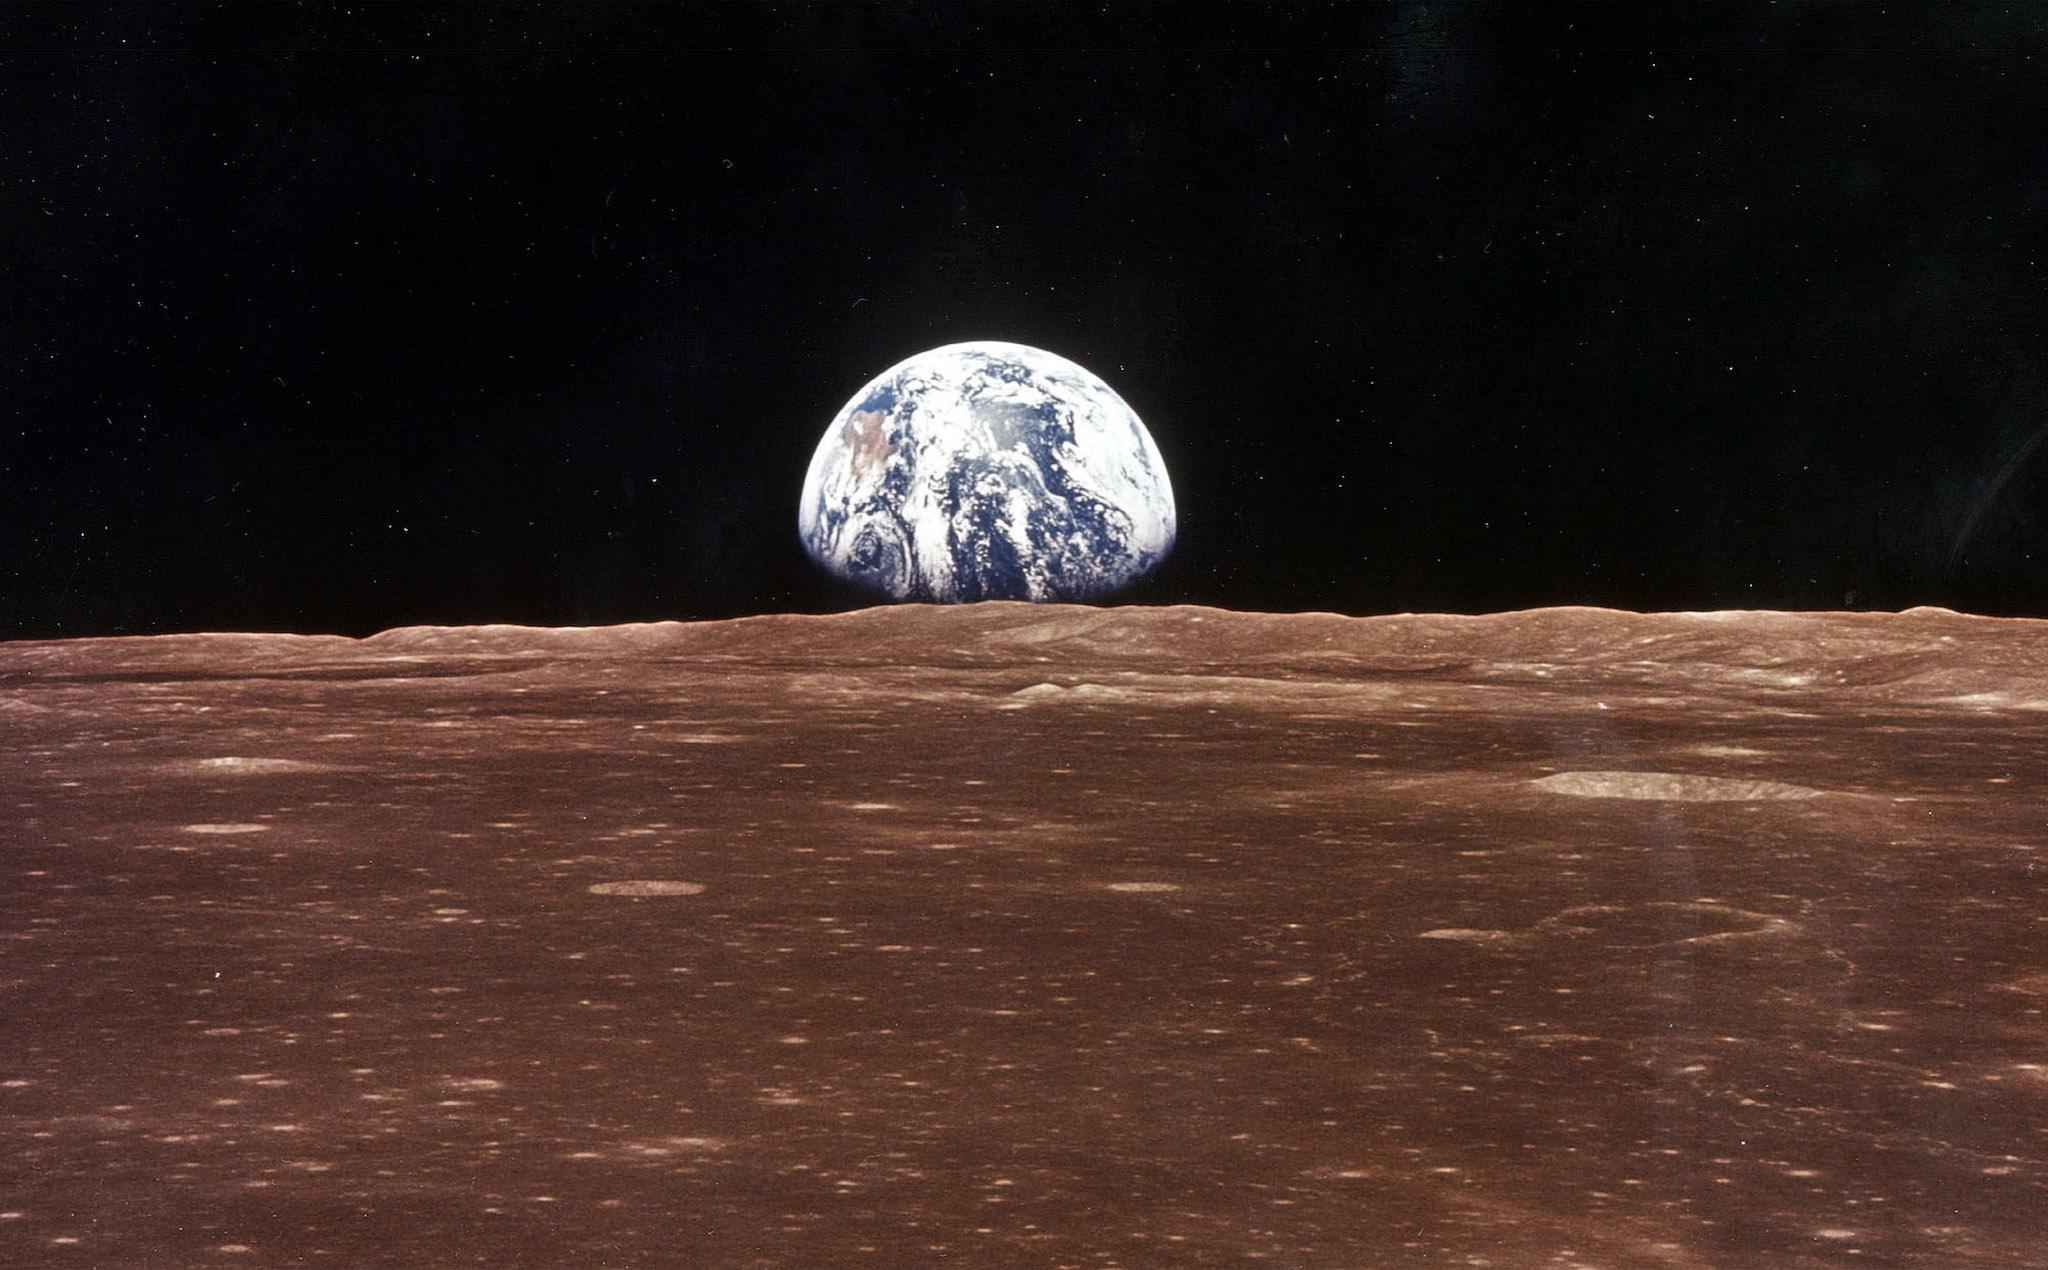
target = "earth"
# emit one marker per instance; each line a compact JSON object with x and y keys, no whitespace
{"x":987,"y":471}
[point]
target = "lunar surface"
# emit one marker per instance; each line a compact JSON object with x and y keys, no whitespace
{"x":987,"y":471}
{"x":1031,"y":935}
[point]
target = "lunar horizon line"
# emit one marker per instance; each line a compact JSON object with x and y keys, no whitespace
{"x":1047,"y":608}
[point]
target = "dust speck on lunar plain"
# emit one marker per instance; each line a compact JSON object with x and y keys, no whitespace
{"x":1005,"y":934}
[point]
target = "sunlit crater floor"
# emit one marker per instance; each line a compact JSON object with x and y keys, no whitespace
{"x":1046,"y":936}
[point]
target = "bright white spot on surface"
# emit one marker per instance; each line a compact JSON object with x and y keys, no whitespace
{"x":227,"y":828}
{"x":1142,"y":887}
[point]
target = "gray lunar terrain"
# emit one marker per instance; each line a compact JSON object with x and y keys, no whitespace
{"x":1031,"y":935}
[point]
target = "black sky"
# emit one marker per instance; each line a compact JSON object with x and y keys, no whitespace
{"x":341,"y":318}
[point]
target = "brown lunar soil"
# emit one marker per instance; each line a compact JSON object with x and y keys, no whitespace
{"x":1033,"y":936}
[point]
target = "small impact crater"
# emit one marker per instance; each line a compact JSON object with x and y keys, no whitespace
{"x":1463,"y":935}
{"x":237,"y":765}
{"x":1678,"y":787}
{"x":1661,"y":924}
{"x":648,"y":886}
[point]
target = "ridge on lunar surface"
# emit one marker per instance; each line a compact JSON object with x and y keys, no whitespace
{"x":1034,"y":935}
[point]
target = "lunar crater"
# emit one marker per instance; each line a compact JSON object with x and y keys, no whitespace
{"x":1661,"y":924}
{"x":1680,"y":787}
{"x":643,"y":887}
{"x":1653,"y":924}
